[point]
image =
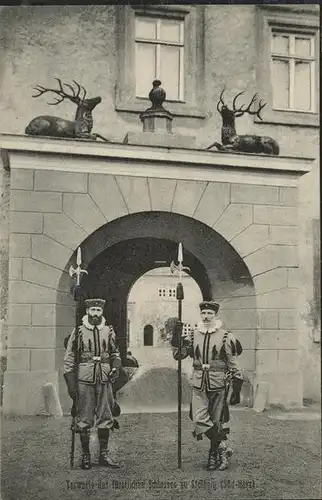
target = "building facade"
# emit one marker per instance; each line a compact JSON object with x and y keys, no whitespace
{"x":248,"y":222}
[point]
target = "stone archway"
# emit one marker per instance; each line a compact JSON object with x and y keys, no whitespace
{"x":117,"y":254}
{"x":249,"y":225}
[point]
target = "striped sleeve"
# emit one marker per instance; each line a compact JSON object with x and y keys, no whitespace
{"x":186,"y":348}
{"x":231,"y":353}
{"x":114,"y":352}
{"x":69,"y":359}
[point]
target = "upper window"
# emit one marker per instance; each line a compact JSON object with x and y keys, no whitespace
{"x":159,"y":54}
{"x":287,"y":69}
{"x":293,"y":71}
{"x":166,"y":43}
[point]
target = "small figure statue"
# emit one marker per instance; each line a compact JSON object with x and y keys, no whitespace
{"x":53,"y":126}
{"x":243,"y":143}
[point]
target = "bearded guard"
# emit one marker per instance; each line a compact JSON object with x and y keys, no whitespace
{"x":214,"y":352}
{"x":98,"y":368}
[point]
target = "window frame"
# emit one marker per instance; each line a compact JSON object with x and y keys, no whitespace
{"x":291,"y":58}
{"x":293,"y":20}
{"x":167,"y":292}
{"x":193,"y":18}
{"x":158,"y":42}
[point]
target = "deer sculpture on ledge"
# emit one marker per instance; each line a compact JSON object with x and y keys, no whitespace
{"x":52,"y":126}
{"x":242,"y":143}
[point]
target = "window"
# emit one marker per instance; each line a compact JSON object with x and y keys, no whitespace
{"x":159,"y":54}
{"x":148,"y":335}
{"x":287,"y":68}
{"x":166,"y":291}
{"x":293,"y":71}
{"x":187,"y":328}
{"x":164,"y":42}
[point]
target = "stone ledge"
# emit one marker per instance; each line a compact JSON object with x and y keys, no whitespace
{"x":29,"y":147}
{"x":163,"y":140}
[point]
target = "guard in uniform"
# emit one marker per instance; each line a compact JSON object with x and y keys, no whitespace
{"x":92,"y":380}
{"x":215,"y":369}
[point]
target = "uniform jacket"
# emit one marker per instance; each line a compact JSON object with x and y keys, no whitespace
{"x":214,"y":355}
{"x":98,"y":352}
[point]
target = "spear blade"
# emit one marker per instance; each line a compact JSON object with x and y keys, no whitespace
{"x":180,"y":260}
{"x":180,"y":253}
{"x":79,"y":256}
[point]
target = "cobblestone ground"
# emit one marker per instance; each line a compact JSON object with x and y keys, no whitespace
{"x":273,"y":459}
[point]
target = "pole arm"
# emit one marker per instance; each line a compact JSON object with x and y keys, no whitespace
{"x":179,"y":296}
{"x":77,"y":271}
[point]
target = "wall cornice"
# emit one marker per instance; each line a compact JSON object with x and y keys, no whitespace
{"x":116,"y":158}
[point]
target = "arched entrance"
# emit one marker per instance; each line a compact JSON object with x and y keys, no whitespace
{"x":148,"y":335}
{"x":236,"y":216}
{"x":117,"y":254}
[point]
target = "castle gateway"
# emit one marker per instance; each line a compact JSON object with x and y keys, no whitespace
{"x":128,"y":206}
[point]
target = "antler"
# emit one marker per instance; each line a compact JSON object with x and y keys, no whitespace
{"x":75,"y":97}
{"x":240,"y":111}
{"x":221,"y":101}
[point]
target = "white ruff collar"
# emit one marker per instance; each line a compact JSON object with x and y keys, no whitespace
{"x":91,"y":327}
{"x":216,"y":326}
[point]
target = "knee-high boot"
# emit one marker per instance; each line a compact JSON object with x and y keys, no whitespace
{"x":104,"y":458}
{"x":224,"y":453}
{"x":86,"y":457}
{"x":213,"y":458}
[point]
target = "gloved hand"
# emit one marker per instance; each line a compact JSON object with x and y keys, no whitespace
{"x":114,"y":375}
{"x":116,"y":410}
{"x":116,"y":425}
{"x":70,"y":379}
{"x":177,"y":334}
{"x":236,"y":385}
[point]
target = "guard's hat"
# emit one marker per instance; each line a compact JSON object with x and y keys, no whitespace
{"x":210,"y":305}
{"x":94,"y":303}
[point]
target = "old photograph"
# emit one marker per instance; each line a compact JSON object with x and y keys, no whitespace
{"x":160,"y":305}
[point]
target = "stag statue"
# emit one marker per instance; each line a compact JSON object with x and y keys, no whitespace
{"x":52,"y":126}
{"x":244,"y":143}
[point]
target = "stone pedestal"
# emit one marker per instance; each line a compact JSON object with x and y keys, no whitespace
{"x":157,"y":121}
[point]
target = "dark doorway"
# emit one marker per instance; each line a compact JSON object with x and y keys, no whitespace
{"x":148,"y":335}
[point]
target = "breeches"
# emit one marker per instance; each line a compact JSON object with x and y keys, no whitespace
{"x":207,"y":409}
{"x":95,"y":403}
